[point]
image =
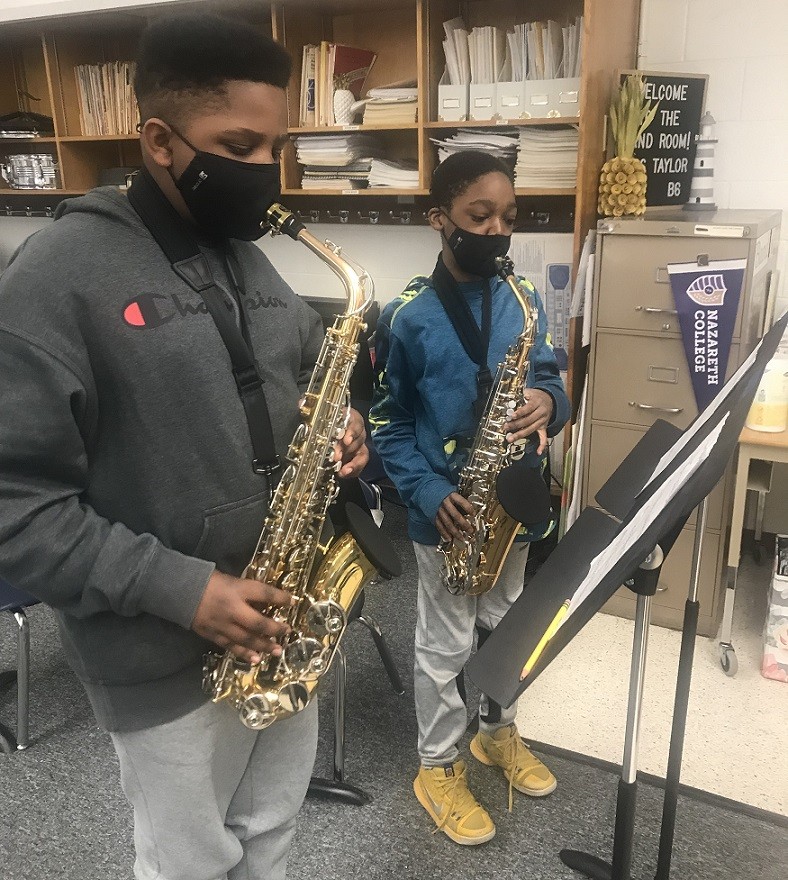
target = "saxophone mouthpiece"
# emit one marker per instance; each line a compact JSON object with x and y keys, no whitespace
{"x":280,"y":219}
{"x":504,"y":267}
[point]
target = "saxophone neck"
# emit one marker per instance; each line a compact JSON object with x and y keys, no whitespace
{"x":359,"y":289}
{"x":528,"y":306}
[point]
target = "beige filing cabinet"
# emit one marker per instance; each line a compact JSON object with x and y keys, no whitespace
{"x":638,"y":371}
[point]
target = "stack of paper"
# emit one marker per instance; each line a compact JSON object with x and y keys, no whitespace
{"x":532,"y":50}
{"x":395,"y":106}
{"x":336,"y":161}
{"x":500,"y":142}
{"x":547,"y":158}
{"x":324,"y":69}
{"x":552,"y":50}
{"x":455,"y":48}
{"x":486,"y":46}
{"x":335,"y":149}
{"x":400,"y":173}
{"x":106,"y":98}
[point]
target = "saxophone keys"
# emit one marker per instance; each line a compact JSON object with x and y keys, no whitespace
{"x":293,"y":697}
{"x":257,"y":712}
{"x":326,"y":618}
{"x":304,"y":657}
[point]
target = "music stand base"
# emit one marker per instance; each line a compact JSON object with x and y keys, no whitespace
{"x":332,"y":789}
{"x":586,"y":864}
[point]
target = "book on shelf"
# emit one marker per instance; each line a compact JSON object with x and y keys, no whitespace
{"x":325,"y":68}
{"x":308,"y":70}
{"x":106,"y":98}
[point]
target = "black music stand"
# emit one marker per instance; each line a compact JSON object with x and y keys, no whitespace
{"x":643,"y":518}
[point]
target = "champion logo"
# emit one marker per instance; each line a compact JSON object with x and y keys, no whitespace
{"x":147,"y":311}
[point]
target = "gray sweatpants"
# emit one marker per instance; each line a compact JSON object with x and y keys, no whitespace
{"x":444,"y":639}
{"x":212,"y":799}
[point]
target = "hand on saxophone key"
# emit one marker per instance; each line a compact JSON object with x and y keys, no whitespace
{"x":533,"y":416}
{"x":351,"y":450}
{"x":455,"y":516}
{"x":228,"y":615}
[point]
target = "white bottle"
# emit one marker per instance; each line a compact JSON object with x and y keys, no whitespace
{"x":769,"y":410}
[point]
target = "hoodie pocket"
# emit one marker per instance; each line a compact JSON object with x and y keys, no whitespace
{"x":230,"y":532}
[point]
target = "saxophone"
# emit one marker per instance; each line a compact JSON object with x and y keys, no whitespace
{"x":471,"y":564}
{"x":324,"y":576}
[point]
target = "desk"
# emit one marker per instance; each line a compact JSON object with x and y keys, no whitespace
{"x":758,"y":450}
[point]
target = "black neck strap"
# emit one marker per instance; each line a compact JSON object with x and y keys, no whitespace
{"x":176,"y":239}
{"x":474,"y":339}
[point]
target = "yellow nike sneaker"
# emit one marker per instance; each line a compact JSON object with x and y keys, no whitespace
{"x":444,"y":794}
{"x":522,"y":769}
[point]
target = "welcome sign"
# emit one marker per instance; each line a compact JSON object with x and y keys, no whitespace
{"x":667,"y":147}
{"x":707,"y":300}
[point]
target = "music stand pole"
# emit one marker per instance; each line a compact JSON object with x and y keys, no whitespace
{"x":644,"y":584}
{"x":681,"y":703}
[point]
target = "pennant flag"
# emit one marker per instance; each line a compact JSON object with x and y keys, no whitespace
{"x":707,"y":300}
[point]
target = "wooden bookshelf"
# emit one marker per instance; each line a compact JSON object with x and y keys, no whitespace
{"x":37,"y":59}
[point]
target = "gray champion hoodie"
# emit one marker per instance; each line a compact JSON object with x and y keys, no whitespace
{"x":125,"y":458}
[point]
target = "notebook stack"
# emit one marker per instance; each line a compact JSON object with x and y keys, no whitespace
{"x":336,"y":161}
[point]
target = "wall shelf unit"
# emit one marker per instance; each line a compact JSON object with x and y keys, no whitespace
{"x":37,"y":59}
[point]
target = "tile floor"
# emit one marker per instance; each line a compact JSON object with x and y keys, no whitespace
{"x":735,"y":743}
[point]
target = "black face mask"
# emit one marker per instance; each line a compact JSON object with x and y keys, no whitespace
{"x":474,"y":253}
{"x":226,"y":197}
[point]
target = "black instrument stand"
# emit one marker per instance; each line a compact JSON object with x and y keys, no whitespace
{"x":680,"y":705}
{"x":644,"y":585}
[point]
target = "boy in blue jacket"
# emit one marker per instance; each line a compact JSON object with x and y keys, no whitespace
{"x":424,"y":419}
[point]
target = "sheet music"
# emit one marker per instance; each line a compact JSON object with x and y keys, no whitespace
{"x":704,"y":417}
{"x":644,"y":517}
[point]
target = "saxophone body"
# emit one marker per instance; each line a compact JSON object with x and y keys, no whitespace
{"x":471,"y":564}
{"x":324,"y":575}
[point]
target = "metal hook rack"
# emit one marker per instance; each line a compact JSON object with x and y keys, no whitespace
{"x":27,"y":211}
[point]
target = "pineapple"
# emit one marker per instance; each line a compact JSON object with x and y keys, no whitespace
{"x":622,"y":181}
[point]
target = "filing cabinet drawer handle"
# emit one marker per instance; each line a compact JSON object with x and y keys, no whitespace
{"x":674,"y":410}
{"x":651,"y":310}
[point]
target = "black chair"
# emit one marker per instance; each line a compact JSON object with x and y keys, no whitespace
{"x":352,"y":512}
{"x":338,"y":787}
{"x":14,"y":602}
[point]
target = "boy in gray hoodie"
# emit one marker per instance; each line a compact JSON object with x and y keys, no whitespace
{"x":128,"y":500}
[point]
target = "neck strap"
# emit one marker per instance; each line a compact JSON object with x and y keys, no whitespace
{"x":474,"y":339}
{"x":176,"y":239}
